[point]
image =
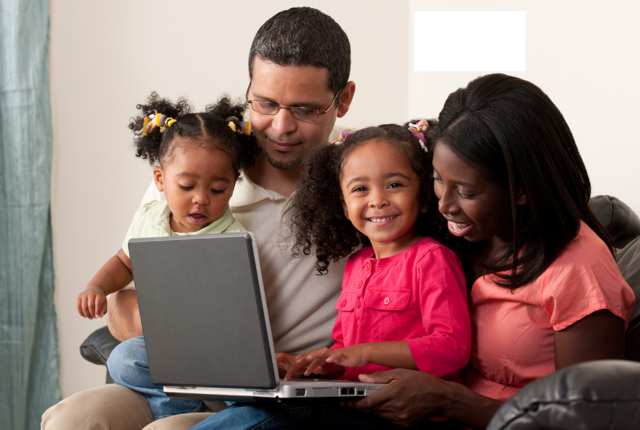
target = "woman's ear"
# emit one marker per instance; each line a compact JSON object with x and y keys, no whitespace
{"x":522,"y":197}
{"x":158,"y":178}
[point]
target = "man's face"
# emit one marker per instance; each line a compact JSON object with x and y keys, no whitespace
{"x":286,"y":141}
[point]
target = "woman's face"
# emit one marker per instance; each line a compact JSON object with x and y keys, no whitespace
{"x":476,"y":209}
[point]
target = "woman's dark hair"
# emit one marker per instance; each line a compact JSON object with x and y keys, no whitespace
{"x":511,"y":133}
{"x":317,"y":219}
{"x":210,"y":127}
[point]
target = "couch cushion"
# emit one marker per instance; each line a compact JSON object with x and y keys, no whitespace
{"x":593,"y":395}
{"x":628,"y":259}
{"x":621,"y":221}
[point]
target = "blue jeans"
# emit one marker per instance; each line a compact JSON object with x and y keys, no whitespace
{"x":271,"y":416}
{"x":129,"y":367}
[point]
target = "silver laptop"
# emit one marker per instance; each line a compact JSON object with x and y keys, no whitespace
{"x":206,"y":323}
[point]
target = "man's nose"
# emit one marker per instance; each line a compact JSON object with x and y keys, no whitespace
{"x":283,"y":123}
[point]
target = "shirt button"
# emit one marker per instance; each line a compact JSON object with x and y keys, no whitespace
{"x":386,"y":300}
{"x":360,"y":284}
{"x":358,"y":304}
{"x":344,"y":303}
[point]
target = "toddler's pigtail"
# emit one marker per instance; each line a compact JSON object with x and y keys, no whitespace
{"x":233,"y":113}
{"x":157,"y":115}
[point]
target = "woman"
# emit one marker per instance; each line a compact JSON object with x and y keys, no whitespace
{"x":547,"y":292}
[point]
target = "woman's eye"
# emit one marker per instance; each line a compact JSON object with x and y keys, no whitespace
{"x":464,"y":196}
{"x":185,"y":188}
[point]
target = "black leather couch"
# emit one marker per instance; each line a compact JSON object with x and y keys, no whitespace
{"x":594,"y":395}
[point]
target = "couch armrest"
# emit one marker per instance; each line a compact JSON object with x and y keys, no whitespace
{"x":601,"y":394}
{"x":97,"y":347}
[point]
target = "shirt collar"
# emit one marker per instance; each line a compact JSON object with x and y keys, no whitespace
{"x":248,"y":192}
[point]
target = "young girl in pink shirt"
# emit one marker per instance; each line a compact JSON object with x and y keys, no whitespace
{"x":404,"y":299}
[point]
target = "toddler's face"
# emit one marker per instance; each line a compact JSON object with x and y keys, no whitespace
{"x":198,"y":183}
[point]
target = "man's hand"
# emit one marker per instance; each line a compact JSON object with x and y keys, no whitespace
{"x":92,"y":303}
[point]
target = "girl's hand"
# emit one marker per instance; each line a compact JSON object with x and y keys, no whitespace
{"x":285,"y":362}
{"x":328,"y":362}
{"x":92,"y":303}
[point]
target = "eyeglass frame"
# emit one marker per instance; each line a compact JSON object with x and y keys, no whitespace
{"x":250,"y":102}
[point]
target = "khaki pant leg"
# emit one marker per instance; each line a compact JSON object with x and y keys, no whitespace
{"x":179,"y":422}
{"x":108,"y":407}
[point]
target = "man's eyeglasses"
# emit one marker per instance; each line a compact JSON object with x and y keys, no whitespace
{"x":265,"y":107}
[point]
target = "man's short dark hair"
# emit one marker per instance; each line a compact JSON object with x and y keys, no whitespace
{"x":303,"y":36}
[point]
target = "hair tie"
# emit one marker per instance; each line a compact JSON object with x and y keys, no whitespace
{"x":156,"y":120}
{"x":245,"y":126}
{"x":342,"y":138}
{"x":418,"y":130}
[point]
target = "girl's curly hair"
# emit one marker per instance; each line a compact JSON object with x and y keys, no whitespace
{"x":210,"y":127}
{"x":316,"y":216}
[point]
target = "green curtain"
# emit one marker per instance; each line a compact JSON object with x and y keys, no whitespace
{"x":29,"y":358}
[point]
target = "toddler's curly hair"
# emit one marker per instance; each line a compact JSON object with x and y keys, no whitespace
{"x":210,"y":127}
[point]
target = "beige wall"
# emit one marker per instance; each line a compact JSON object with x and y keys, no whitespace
{"x":584,"y":55}
{"x":106,"y":57}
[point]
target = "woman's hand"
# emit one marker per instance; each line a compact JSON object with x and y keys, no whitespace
{"x":411,"y":396}
{"x":408,"y":398}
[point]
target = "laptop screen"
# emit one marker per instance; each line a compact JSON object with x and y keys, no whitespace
{"x":203,"y":311}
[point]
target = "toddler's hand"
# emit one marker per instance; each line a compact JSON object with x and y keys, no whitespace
{"x":92,"y":303}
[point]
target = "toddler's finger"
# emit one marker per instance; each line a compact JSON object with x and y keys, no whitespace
{"x":79,"y":307}
{"x":99,"y":307}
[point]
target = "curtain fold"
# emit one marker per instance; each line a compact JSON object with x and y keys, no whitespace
{"x":29,"y":357}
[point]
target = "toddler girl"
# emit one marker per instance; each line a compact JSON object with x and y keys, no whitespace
{"x":196,"y":159}
{"x":404,"y":300}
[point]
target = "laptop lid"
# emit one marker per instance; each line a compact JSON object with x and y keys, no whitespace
{"x":203,"y":311}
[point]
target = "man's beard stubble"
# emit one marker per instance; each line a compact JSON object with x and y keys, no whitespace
{"x":284,"y":165}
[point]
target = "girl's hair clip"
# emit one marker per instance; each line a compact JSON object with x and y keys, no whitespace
{"x":245,"y":126}
{"x":342,"y":138}
{"x":418,"y":130}
{"x":156,"y":120}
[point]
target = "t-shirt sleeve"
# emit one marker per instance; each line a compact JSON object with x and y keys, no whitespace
{"x":446,"y":348}
{"x":135,"y":227}
{"x":584,"y":279}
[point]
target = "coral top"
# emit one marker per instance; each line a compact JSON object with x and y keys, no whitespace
{"x":513,"y":332}
{"x":418,"y":295}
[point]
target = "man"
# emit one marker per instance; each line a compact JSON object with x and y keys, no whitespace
{"x":299,"y":67}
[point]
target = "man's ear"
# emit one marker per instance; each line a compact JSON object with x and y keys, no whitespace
{"x":346,"y":97}
{"x":344,"y":208}
{"x":158,"y":178}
